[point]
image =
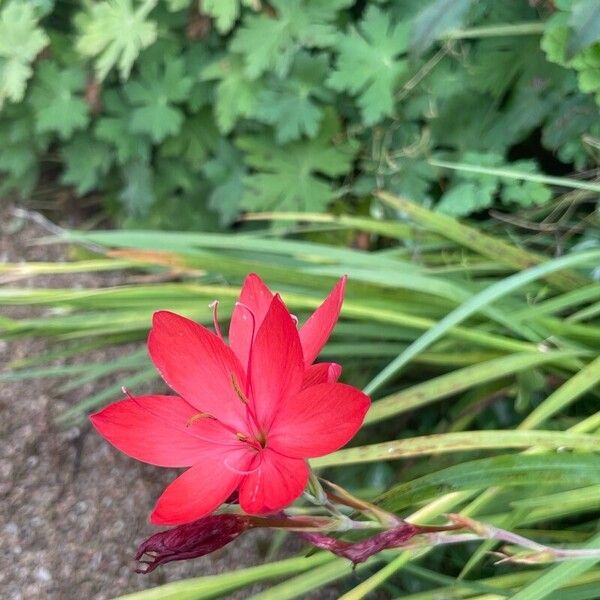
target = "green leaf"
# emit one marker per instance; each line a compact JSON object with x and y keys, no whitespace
{"x":268,"y":43}
{"x":445,"y":385}
{"x":466,"y":198}
{"x":436,"y":19}
{"x":115,"y":32}
{"x":113,"y":127}
{"x":315,"y":579}
{"x":559,"y":45}
{"x":21,"y":40}
{"x":463,"y":441}
{"x":236,"y":95}
{"x":55,"y":97}
{"x":482,"y":243}
{"x":566,"y":470}
{"x":587,"y":378}
{"x":587,"y":64}
{"x":86,"y":162}
{"x":367,"y":64}
{"x":585,"y":25}
{"x":495,"y":291}
{"x":295,"y":176}
{"x":476,"y":191}
{"x":225,"y":12}
{"x":216,"y":586}
{"x":289,"y":104}
{"x":198,"y":137}
{"x":138,"y":194}
{"x":226,"y":172}
{"x":557,"y":576}
{"x":154,"y":92}
{"x":177,"y":5}
{"x":20,"y":149}
{"x":519,"y":174}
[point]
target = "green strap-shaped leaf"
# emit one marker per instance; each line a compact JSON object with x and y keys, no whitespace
{"x":557,"y":576}
{"x":507,"y":470}
{"x":567,"y":393}
{"x":456,"y":442}
{"x":470,"y":237}
{"x":492,"y":293}
{"x":219,"y":586}
{"x":457,"y":381}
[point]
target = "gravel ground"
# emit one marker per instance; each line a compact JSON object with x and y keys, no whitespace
{"x":73,"y":508}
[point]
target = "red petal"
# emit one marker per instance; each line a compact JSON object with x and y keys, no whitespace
{"x":276,"y":363}
{"x":198,"y":365}
{"x":255,"y":298}
{"x":321,"y":373}
{"x":319,"y":420}
{"x":158,"y":430}
{"x":202,"y":488}
{"x":276,"y":483}
{"x":316,"y":331}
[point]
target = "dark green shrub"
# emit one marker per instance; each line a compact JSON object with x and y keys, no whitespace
{"x":184,"y":113}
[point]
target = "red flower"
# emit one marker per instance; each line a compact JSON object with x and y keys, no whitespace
{"x":248,"y":415}
{"x":250,"y":312}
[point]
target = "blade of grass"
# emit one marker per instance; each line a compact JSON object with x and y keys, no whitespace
{"x":496,"y":249}
{"x":217,"y":586}
{"x":316,"y":578}
{"x":499,"y":584}
{"x":507,"y":470}
{"x":557,"y":576}
{"x":520,"y":175}
{"x":487,"y":296}
{"x":457,"y":442}
{"x":367,"y":586}
{"x":567,"y":393}
{"x":441,"y":387}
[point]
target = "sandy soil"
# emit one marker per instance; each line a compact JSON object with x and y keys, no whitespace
{"x":73,"y":508}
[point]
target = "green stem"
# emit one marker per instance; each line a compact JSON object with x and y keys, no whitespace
{"x":507,"y":29}
{"x":513,"y":174}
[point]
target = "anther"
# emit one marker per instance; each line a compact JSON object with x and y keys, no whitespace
{"x":238,"y":390}
{"x":197,"y":417}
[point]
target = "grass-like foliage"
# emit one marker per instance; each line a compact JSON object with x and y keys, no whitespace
{"x":184,"y":113}
{"x":481,"y":358}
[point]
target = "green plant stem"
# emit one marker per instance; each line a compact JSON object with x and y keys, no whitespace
{"x":522,"y":175}
{"x":506,"y":29}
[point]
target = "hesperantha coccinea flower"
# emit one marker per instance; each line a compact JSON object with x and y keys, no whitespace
{"x":248,"y":414}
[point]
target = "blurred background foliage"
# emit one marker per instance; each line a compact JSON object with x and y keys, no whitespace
{"x":182,"y":114}
{"x":443,"y":154}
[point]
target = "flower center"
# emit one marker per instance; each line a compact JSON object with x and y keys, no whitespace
{"x":257,"y":442}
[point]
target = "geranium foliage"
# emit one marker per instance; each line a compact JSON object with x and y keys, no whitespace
{"x":185,"y":113}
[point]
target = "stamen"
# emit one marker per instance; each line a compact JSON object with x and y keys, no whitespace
{"x":214,"y":306}
{"x":241,"y":436}
{"x":249,"y":364}
{"x":197,"y":417}
{"x":238,"y":390}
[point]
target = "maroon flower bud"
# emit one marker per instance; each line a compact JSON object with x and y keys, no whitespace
{"x":190,"y":540}
{"x":359,"y":551}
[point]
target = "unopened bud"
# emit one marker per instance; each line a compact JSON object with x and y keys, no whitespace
{"x":191,"y":540}
{"x":360,"y":551}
